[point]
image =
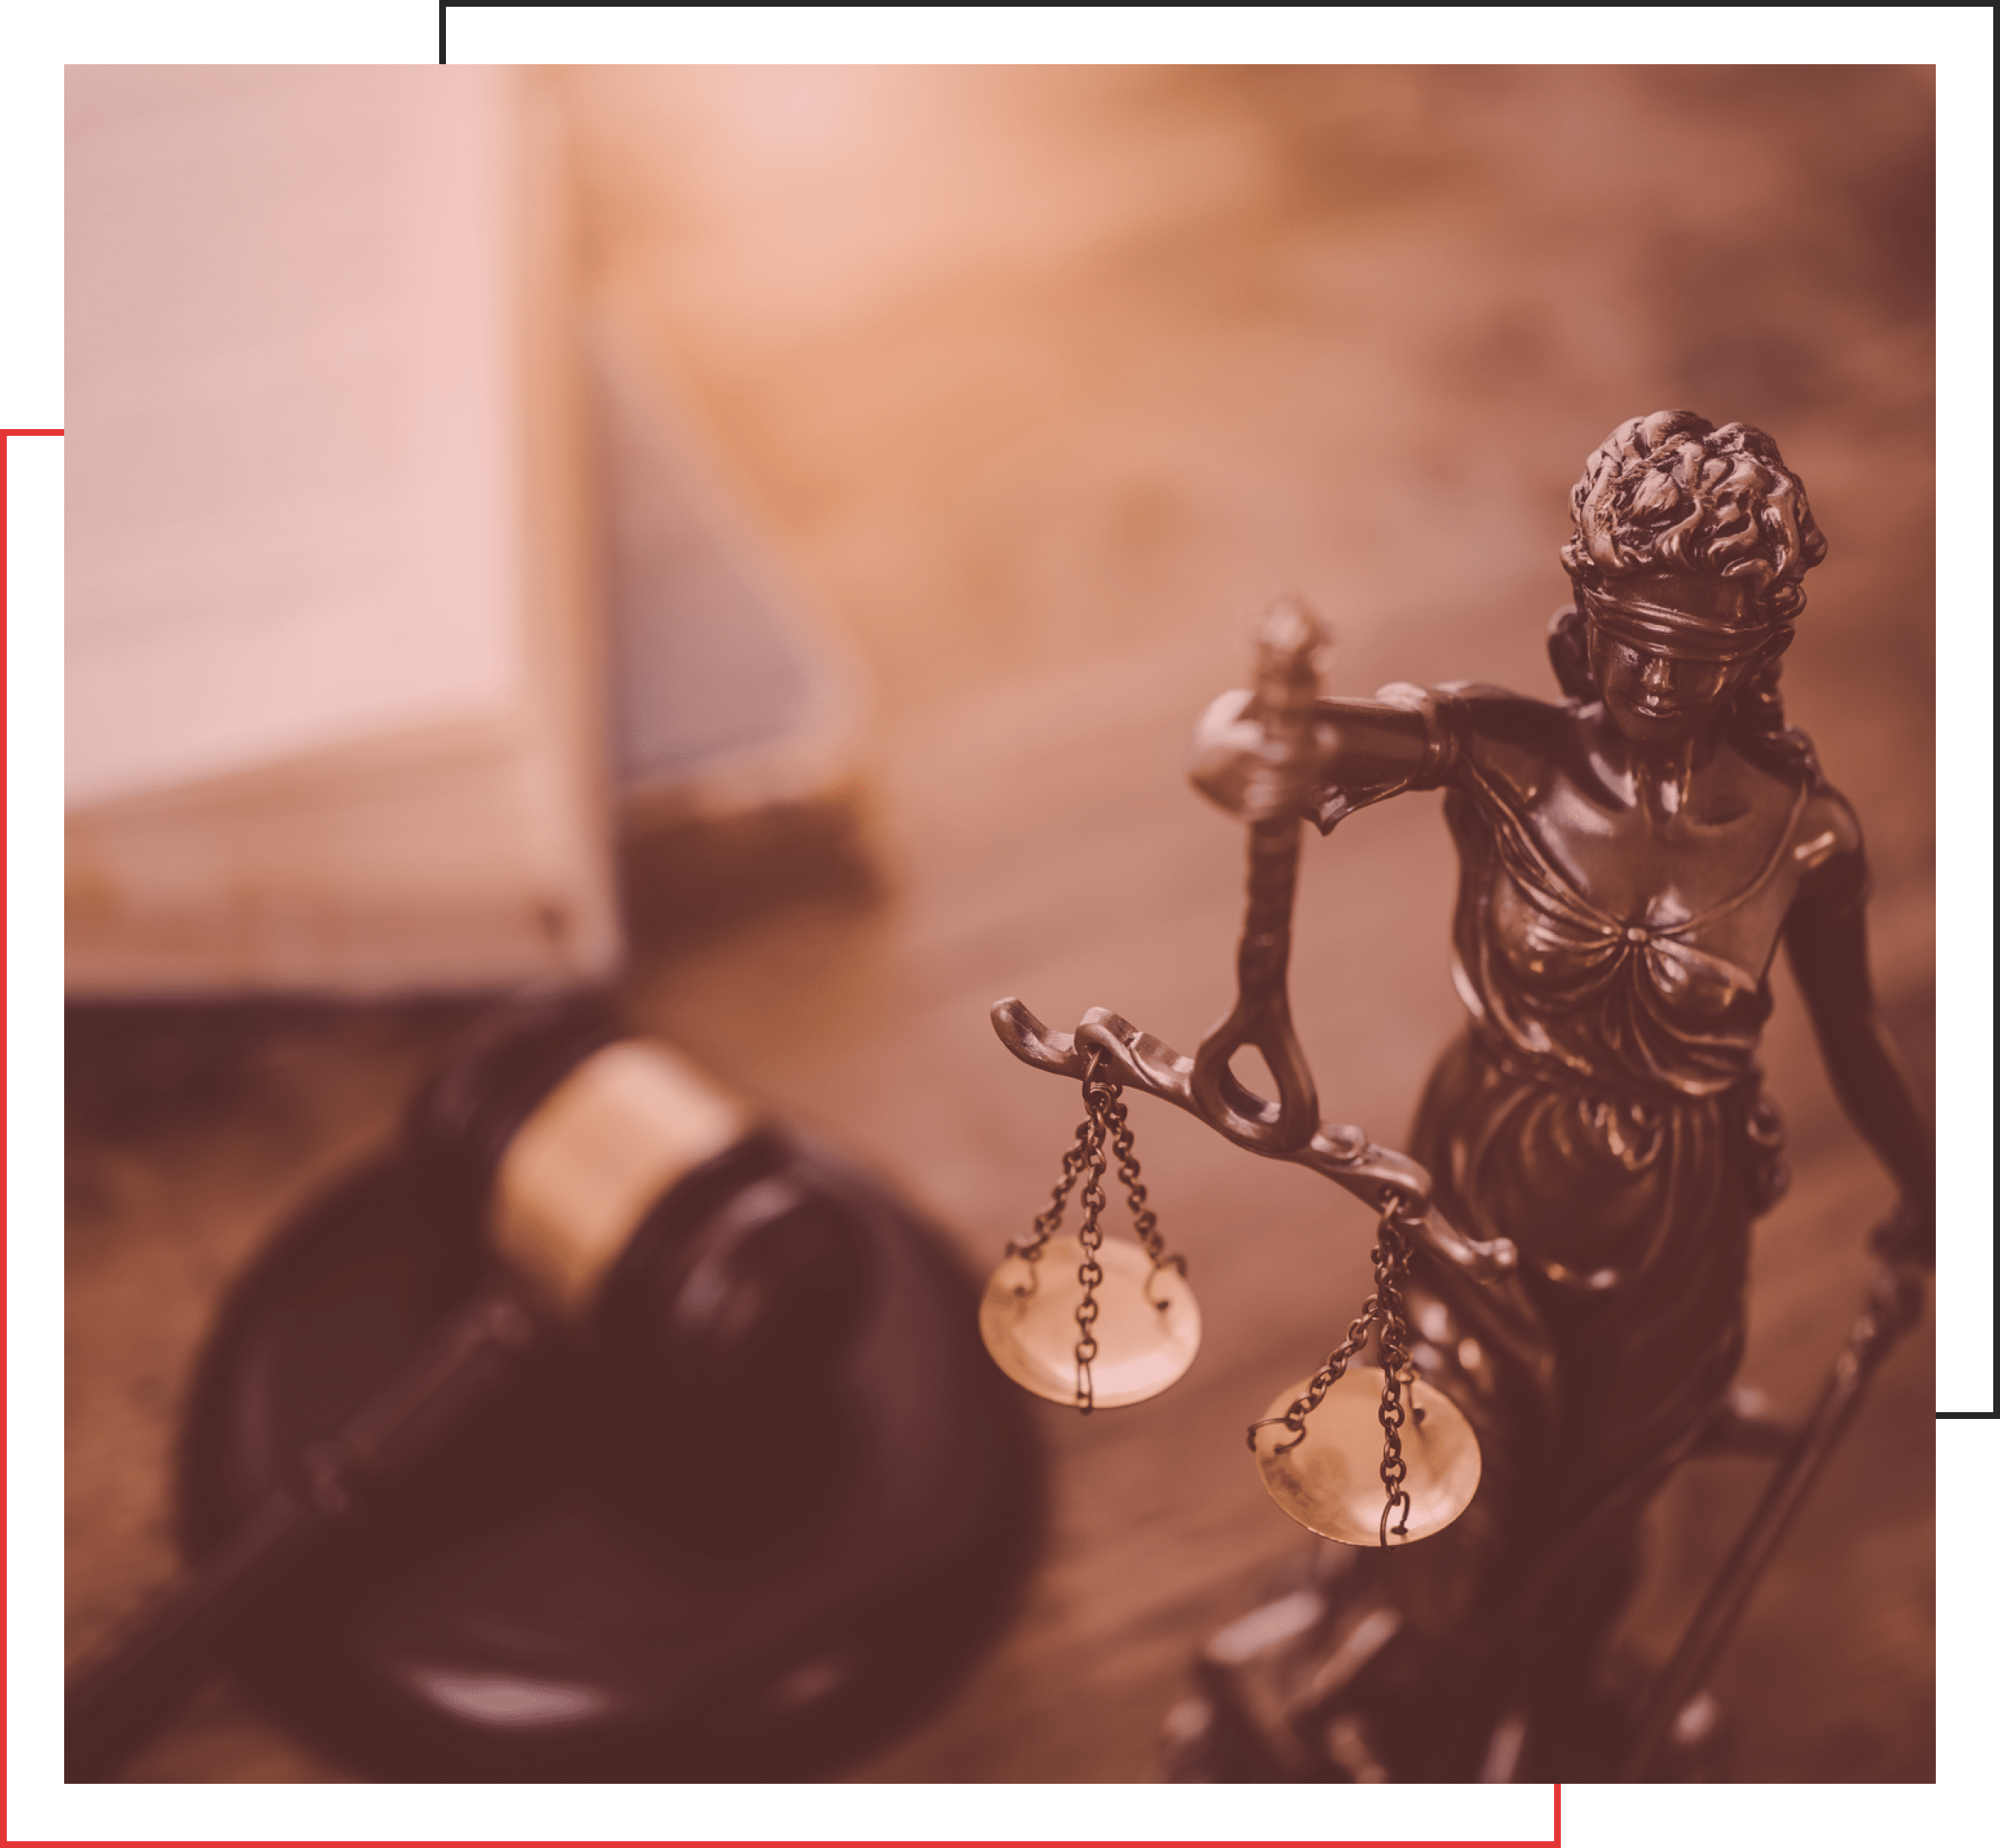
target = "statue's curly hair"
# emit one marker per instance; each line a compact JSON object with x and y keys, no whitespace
{"x":1671,"y":493}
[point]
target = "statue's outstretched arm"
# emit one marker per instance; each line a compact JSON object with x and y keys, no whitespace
{"x":1239,"y":763}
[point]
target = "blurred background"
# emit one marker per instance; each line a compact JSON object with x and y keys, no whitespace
{"x":1008,"y":396}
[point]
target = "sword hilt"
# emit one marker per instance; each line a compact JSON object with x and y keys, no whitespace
{"x":1289,"y":642}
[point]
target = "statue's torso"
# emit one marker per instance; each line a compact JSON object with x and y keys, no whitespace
{"x":1604,"y":945}
{"x":1604,"y":1113}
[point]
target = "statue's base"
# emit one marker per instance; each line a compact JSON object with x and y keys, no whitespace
{"x":1312,"y":1688}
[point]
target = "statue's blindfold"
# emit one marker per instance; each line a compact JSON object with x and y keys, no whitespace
{"x":1640,"y":624}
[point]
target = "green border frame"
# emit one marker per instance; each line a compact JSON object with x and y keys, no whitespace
{"x":1959,"y":40}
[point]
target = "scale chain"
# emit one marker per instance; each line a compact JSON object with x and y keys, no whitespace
{"x":1145,"y":1223}
{"x":1392,"y":1259}
{"x":1049,"y":1220}
{"x":1385,"y":1311}
{"x":1106,"y":1127}
{"x":1090,"y":1235}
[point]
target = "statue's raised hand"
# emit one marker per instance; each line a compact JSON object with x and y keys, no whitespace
{"x":1255,"y":771}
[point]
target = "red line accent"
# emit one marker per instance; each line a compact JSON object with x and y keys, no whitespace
{"x":1558,"y":1841}
{"x":4,"y":630}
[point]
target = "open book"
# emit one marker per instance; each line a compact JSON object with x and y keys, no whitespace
{"x":354,"y":516}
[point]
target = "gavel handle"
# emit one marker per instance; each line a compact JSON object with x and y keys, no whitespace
{"x":116,"y":1701}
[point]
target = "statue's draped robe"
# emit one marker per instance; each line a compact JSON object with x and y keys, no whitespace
{"x":1603,"y":1111}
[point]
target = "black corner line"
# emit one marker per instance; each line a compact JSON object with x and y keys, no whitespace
{"x":442,"y":10}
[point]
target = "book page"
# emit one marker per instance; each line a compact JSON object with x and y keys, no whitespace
{"x":289,"y":462}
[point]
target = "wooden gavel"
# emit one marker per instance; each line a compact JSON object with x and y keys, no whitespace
{"x":629,"y":1202}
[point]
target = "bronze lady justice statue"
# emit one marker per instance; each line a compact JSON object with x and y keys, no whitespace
{"x":1631,"y":858}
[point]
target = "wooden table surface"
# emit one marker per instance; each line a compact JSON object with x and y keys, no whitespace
{"x":1041,"y":381}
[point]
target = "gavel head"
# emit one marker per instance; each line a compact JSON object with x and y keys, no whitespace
{"x":714,"y":1272}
